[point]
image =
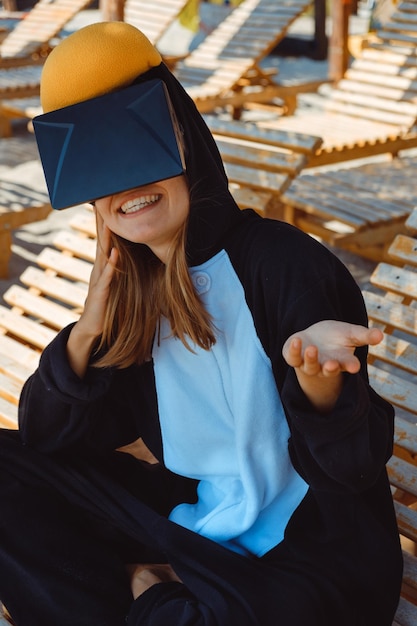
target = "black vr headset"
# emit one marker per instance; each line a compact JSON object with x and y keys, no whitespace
{"x":109,"y":144}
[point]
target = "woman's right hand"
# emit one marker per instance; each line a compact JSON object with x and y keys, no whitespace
{"x":90,"y":325}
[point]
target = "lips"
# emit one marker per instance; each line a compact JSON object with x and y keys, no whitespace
{"x":137,"y":204}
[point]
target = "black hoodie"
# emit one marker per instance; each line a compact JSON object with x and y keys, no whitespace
{"x":338,"y":560}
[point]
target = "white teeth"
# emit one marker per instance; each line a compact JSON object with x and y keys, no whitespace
{"x":138,"y":203}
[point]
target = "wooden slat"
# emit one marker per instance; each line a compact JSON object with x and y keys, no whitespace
{"x":396,"y":279}
{"x":411,"y":223}
{"x":407,"y":521}
{"x":8,"y":419}
{"x":406,"y":614}
{"x":43,"y":22}
{"x":396,"y":390}
{"x":388,"y":312}
{"x":296,"y":142}
{"x":81,"y":247}
{"x":404,"y":249}
{"x":10,"y":364}
{"x":10,"y":389}
{"x":27,"y":330}
{"x":398,"y":352}
{"x":65,"y":265}
{"x":55,"y":287}
{"x":410,"y":570}
{"x":257,"y":156}
{"x":152,"y":20}
{"x":50,"y":313}
{"x":257,"y":179}
{"x":85,"y":223}
{"x":402,"y":475}
{"x":249,"y":198}
{"x":406,"y":435}
{"x":24,"y":355}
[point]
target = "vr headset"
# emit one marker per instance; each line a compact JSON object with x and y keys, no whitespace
{"x":109,"y":144}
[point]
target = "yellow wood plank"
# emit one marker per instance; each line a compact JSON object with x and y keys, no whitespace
{"x":411,"y":222}
{"x":79,"y":246}
{"x":25,"y":329}
{"x":399,"y":353}
{"x":9,"y":389}
{"x":57,"y":288}
{"x":404,"y":249}
{"x":258,"y":179}
{"x":394,"y":314}
{"x":25,"y":356}
{"x":259,"y":157}
{"x":41,"y":308}
{"x":11,"y":366}
{"x":8,"y":419}
{"x":297,"y":142}
{"x":70,"y":267}
{"x":396,"y":279}
{"x":400,"y":392}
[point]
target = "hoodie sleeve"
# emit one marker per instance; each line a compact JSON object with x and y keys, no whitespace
{"x":59,"y":411}
{"x":347,"y":448}
{"x":169,"y":603}
{"x":172,"y":604}
{"x":291,"y":285}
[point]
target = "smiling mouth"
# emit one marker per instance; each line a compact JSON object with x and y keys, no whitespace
{"x":135,"y":205}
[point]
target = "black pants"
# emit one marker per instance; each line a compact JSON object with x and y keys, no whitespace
{"x":61,"y":560}
{"x":68,"y":527}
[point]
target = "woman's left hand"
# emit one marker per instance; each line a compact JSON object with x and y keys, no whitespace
{"x":145,"y":575}
{"x":321,"y":353}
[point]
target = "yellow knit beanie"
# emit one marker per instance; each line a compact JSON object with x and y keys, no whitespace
{"x":93,"y":61}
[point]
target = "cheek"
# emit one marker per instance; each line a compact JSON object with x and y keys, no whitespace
{"x":103,"y":213}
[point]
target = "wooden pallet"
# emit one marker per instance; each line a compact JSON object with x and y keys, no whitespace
{"x":359,"y":209}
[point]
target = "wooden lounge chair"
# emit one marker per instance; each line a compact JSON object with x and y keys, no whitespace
{"x":30,"y":40}
{"x":391,"y":303}
{"x":224,"y":71}
{"x":23,"y":195}
{"x":373,"y":109}
{"x":359,"y":209}
{"x":24,"y":49}
{"x":19,"y":87}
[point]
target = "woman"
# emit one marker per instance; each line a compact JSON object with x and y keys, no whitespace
{"x":234,"y":346}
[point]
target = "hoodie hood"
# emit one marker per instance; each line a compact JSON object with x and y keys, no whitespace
{"x":213,"y":210}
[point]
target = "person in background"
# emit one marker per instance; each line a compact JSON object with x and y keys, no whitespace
{"x":202,"y":17}
{"x":232,"y":347}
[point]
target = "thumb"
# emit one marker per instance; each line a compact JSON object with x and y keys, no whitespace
{"x":362,"y":336}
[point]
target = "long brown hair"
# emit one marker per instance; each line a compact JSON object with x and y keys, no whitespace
{"x":144,"y":289}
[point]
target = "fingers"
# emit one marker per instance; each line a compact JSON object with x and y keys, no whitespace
{"x":309,"y":360}
{"x":328,"y":347}
{"x":143,"y":576}
{"x":362,"y":336}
